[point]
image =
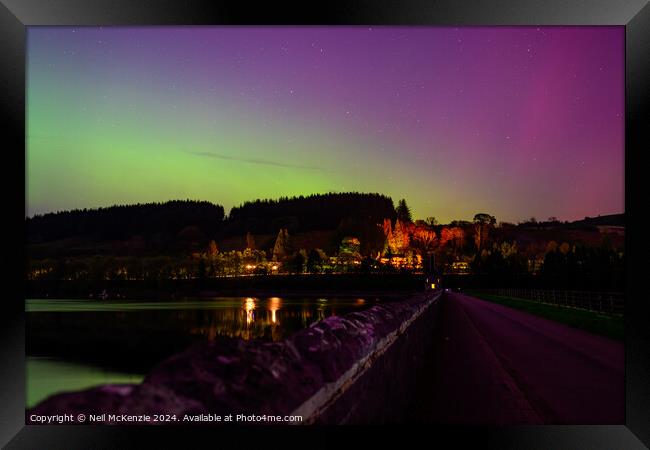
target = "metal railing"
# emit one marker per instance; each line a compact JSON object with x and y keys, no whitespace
{"x":610,"y":303}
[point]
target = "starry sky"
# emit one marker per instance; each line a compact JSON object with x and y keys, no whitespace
{"x":512,"y":121}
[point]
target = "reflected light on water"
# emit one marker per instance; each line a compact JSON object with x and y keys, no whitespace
{"x":249,"y":306}
{"x":56,"y":329}
{"x":274,"y":305}
{"x":320,"y":308}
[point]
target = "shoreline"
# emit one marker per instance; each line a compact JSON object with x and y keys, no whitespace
{"x":381,"y":294}
{"x":343,"y":285}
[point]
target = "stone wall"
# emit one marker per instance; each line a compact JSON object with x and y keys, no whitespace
{"x":357,"y":368}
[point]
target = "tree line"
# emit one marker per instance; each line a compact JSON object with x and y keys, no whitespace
{"x":306,"y":213}
{"x":367,"y":234}
{"x":149,"y":220}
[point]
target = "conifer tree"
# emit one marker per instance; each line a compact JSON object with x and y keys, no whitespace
{"x":281,"y":249}
{"x":403,"y":212}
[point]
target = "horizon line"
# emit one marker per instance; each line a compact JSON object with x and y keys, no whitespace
{"x":62,"y":211}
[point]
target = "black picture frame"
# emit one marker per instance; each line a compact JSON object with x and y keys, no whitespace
{"x":16,"y":15}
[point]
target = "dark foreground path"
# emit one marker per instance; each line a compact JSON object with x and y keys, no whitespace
{"x":491,"y":364}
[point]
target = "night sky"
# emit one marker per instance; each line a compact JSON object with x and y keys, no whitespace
{"x":515,"y":122}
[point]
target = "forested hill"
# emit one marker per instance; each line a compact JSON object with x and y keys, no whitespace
{"x":163,"y":220}
{"x":306,"y":213}
{"x":187,"y":220}
{"x":611,"y":220}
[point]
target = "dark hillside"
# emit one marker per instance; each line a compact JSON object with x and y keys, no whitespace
{"x":134,"y":227}
{"x":308,"y":213}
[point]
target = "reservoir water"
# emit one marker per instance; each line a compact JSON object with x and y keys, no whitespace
{"x":76,"y":344}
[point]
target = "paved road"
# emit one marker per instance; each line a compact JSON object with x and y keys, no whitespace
{"x":495,"y":365}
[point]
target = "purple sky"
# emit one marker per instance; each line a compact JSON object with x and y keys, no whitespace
{"x":513,"y":121}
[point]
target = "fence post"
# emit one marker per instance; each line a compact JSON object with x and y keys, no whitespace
{"x":600,"y":298}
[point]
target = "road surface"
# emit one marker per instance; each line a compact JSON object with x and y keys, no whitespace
{"x":495,"y":365}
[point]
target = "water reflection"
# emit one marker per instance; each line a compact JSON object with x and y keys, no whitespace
{"x":80,"y":339}
{"x":274,"y":304}
{"x":249,"y":306}
{"x":175,"y":323}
